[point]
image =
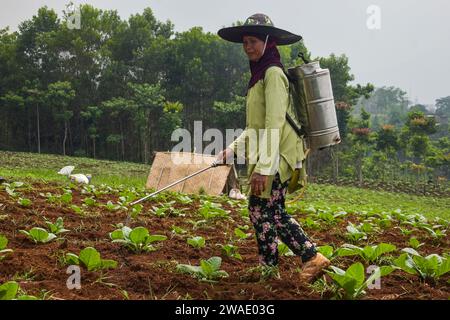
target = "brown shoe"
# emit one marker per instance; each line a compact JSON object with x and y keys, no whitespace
{"x":313,"y":268}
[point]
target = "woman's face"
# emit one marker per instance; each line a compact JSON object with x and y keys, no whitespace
{"x":253,"y":47}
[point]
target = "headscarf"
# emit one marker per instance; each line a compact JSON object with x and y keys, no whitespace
{"x":270,"y":58}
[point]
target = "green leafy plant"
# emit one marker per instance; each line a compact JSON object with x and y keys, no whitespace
{"x":160,"y":211}
{"x":210,"y":210}
{"x":436,"y":234}
{"x":367,"y":227}
{"x":385,"y":223}
{"x":112,"y":207}
{"x":137,"y":239}
{"x":50,"y":197}
{"x":39,"y":235}
{"x":10,"y":188}
{"x":88,"y":189}
{"x":124,"y":201}
{"x":183,"y":199}
{"x":327,"y":251}
{"x":416,"y":221}
{"x":385,"y":220}
{"x":24,"y":202}
{"x":354,"y":234}
{"x":414,"y":243}
{"x":368,"y":253}
{"x":310,"y":223}
{"x":177,"y":212}
{"x":241,"y":234}
{"x":128,"y":195}
{"x":196,"y":242}
{"x":90,"y":202}
{"x":77,"y":209}
{"x":330,"y":217}
{"x":309,"y":210}
{"x":66,"y":197}
{"x":90,"y":258}
{"x":197,"y":224}
{"x":10,"y":291}
{"x":404,"y":231}
{"x":442,"y":222}
{"x":136,"y":210}
{"x":11,"y":192}
{"x":168,"y":209}
{"x":244,"y":213}
{"x":3,"y":250}
{"x":352,"y":282}
{"x":209,"y":270}
{"x":178,"y":230}
{"x":231,"y":251}
{"x":431,"y":267}
{"x":57,"y":227}
{"x":283,"y":250}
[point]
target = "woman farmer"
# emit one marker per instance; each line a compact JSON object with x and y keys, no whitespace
{"x":273,"y":149}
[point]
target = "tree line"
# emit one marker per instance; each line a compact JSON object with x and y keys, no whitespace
{"x":116,"y":89}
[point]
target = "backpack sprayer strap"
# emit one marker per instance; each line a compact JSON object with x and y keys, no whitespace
{"x":299,"y":131}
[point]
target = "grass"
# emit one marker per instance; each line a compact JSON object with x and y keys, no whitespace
{"x":44,"y":167}
{"x":32,"y":166}
{"x":357,"y":199}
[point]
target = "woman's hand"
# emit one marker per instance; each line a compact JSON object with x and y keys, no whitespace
{"x":225,"y":156}
{"x":258,"y":183}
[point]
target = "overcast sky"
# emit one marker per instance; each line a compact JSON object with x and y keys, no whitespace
{"x":411,"y":50}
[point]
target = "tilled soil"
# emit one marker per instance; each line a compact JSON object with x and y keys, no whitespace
{"x":40,"y":268}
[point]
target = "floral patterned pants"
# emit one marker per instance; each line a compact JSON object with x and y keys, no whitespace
{"x":270,"y":220}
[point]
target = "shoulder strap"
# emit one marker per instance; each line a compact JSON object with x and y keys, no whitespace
{"x":299,"y":131}
{"x":284,"y":71}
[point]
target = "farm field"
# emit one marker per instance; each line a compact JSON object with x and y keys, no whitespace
{"x":177,"y":246}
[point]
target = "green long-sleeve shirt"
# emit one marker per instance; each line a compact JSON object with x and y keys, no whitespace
{"x":270,"y":144}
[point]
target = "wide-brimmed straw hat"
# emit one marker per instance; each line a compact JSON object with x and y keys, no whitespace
{"x":259,"y":24}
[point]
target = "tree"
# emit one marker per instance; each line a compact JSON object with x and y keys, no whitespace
{"x":440,"y":157}
{"x":13,"y":103}
{"x":414,"y":135}
{"x":387,"y":139}
{"x":443,"y":107}
{"x":149,"y":102}
{"x":231,"y":112}
{"x":12,"y":77}
{"x":201,"y":69}
{"x":59,"y":96}
{"x":341,"y":78}
{"x":387,"y":105}
{"x":119,"y":110}
{"x":345,"y":96}
{"x":92,"y":114}
{"x":36,"y":47}
{"x":418,"y":123}
{"x":170,"y":120}
{"x":34,"y":99}
{"x":361,"y":143}
{"x":419,"y":146}
{"x":419,"y":108}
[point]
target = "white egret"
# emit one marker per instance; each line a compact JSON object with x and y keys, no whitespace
{"x":66,"y":171}
{"x":80,"y":178}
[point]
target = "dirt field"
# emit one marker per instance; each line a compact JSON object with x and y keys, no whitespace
{"x":40,"y":269}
